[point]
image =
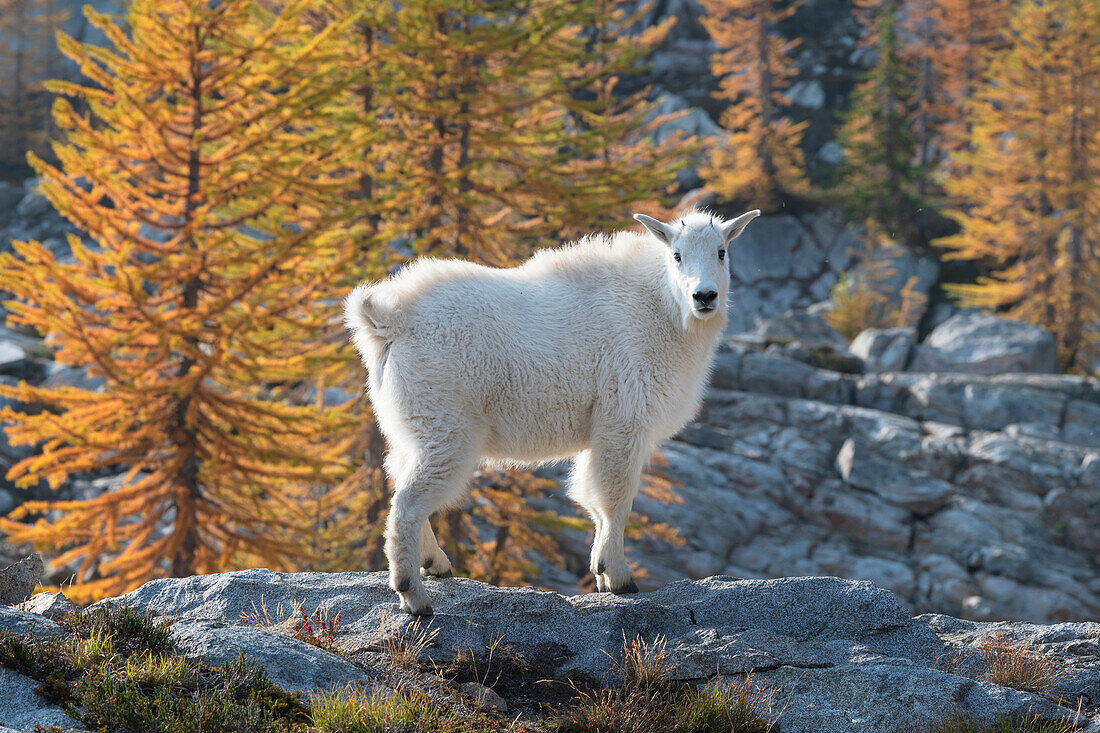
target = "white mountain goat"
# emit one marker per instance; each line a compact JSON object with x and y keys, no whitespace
{"x":596,"y":350}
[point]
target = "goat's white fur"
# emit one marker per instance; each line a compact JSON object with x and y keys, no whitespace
{"x":594,"y":350}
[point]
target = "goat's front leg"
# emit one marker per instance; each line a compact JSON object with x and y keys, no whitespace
{"x":616,"y":473}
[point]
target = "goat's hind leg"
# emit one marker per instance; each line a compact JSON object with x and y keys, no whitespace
{"x":437,"y":477}
{"x":433,"y":560}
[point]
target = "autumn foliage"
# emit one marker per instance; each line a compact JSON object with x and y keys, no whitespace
{"x":235,"y":166}
{"x":201,"y":184}
{"x":1030,"y":199}
{"x":762,"y":162}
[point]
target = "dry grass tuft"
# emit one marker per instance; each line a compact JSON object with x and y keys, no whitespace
{"x":404,"y":648}
{"x":648,"y":701}
{"x":643,"y":666}
{"x":1001,"y":724}
{"x":316,"y":628}
{"x":1010,"y":663}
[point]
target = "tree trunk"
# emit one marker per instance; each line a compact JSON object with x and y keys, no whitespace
{"x":187,"y":480}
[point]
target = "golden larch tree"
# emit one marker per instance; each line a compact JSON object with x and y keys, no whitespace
{"x":763,"y":161}
{"x":485,"y":128}
{"x":1030,"y":214}
{"x":200,"y":179}
{"x":612,"y":163}
{"x":968,"y":31}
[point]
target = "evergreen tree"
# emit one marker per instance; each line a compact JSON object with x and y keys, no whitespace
{"x":1031,"y":199}
{"x":880,"y":180}
{"x":201,"y":177}
{"x":762,"y":162}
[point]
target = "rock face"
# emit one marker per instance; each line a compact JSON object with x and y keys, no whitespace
{"x":18,"y":580}
{"x":975,"y":343}
{"x":885,"y":349}
{"x":783,"y":262}
{"x":969,"y":495}
{"x":53,"y":606}
{"x":22,"y":710}
{"x":841,"y":655}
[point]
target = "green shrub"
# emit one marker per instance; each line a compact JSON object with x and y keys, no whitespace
{"x":131,"y":630}
{"x":355,"y":710}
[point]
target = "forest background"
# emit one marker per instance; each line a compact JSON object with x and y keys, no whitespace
{"x":231,"y":169}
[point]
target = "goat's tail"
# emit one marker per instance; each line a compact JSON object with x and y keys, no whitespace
{"x":370,"y":318}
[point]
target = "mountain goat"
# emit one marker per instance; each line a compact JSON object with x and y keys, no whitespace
{"x":596,"y":350}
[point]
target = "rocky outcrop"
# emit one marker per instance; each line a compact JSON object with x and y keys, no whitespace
{"x":963,"y":494}
{"x":885,"y":349}
{"x":840,"y":655}
{"x":975,"y":343}
{"x":23,"y":710}
{"x":785,"y":261}
{"x":18,"y":580}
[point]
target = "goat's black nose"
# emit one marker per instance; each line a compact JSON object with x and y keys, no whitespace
{"x":705,"y":299}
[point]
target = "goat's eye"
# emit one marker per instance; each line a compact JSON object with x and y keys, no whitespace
{"x":676,"y":256}
{"x":721,"y":254}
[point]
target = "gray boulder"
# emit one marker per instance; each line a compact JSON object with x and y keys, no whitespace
{"x":975,"y":343}
{"x":291,"y":664}
{"x":809,"y":329}
{"x":18,"y":581}
{"x":53,"y":606}
{"x":840,"y":655}
{"x":12,"y":357}
{"x":15,"y":621}
{"x":895,"y":484}
{"x":33,"y":206}
{"x":22,"y":709}
{"x":885,"y":349}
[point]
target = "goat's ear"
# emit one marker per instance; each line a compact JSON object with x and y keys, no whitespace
{"x":733,"y":227}
{"x":657,"y":228}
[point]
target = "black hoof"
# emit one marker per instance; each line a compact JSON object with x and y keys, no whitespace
{"x":403,"y":585}
{"x":630,"y":587}
{"x":600,"y":568}
{"x":423,"y":613}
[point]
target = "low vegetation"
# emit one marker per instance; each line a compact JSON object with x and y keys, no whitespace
{"x":361,"y":711}
{"x":1002,"y":660}
{"x":318,"y":628}
{"x":404,"y":647}
{"x":1001,"y":724}
{"x":115,"y":669}
{"x":647,"y":700}
{"x":1011,"y":664}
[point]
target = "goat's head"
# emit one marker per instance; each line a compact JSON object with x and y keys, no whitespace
{"x":698,"y":259}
